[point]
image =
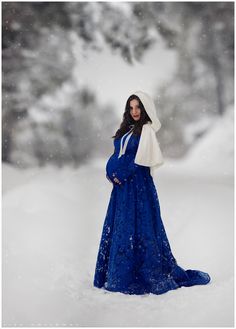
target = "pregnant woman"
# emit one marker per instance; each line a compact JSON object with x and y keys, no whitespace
{"x":134,"y":255}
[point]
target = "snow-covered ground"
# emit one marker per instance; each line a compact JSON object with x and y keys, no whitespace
{"x":52,"y":223}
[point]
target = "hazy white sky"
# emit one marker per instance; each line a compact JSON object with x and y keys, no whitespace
{"x":114,"y":80}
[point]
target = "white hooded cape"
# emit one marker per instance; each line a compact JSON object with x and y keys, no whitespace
{"x":149,"y":152}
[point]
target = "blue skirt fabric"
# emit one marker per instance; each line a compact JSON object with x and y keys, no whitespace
{"x":134,"y":255}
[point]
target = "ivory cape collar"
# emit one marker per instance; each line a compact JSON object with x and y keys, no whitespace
{"x":148,"y":153}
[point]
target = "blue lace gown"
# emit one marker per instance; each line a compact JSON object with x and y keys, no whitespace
{"x":134,"y":255}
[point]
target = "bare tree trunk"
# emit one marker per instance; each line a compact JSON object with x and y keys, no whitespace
{"x":214,"y":62}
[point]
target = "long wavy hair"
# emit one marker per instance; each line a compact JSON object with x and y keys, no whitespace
{"x":128,"y":121}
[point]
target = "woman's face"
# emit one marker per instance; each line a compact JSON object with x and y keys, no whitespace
{"x":135,"y":110}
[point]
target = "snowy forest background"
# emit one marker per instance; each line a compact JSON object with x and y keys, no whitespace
{"x":50,"y":112}
{"x":67,"y":71}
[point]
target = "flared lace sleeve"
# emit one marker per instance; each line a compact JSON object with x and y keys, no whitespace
{"x":126,"y":171}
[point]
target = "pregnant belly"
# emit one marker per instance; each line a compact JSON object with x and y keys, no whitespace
{"x":112,"y":165}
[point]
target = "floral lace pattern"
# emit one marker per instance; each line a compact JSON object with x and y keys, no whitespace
{"x":134,"y":255}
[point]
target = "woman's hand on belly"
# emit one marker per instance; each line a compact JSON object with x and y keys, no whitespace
{"x":116,"y":180}
{"x":113,"y":180}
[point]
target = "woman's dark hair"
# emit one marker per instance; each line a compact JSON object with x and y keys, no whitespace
{"x":128,"y":121}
